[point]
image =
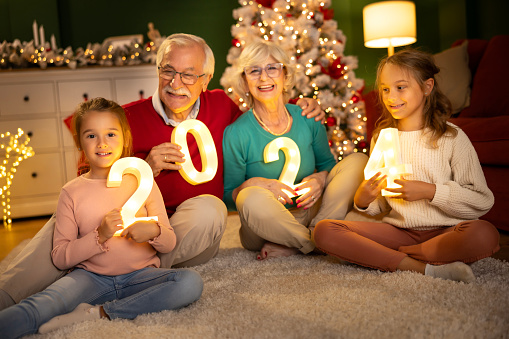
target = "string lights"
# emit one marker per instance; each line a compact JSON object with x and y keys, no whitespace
{"x":14,"y":152}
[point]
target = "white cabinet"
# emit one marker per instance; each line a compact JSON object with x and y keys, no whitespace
{"x":38,"y":101}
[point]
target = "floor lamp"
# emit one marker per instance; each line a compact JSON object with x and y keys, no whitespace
{"x":389,"y":24}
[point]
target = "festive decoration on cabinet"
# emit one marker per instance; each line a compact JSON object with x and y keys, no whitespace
{"x":305,"y":29}
{"x":41,"y":53}
{"x":14,"y":152}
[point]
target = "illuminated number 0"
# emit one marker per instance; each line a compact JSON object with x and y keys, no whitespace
{"x":386,"y":158}
{"x":206,"y":147}
{"x":143,"y":173}
{"x":292,"y":160}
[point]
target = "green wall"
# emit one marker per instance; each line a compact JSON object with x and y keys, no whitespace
{"x":75,"y":23}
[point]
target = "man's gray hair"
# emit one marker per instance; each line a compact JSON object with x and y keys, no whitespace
{"x":187,"y":40}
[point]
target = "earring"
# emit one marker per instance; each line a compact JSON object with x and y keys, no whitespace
{"x":247,"y":94}
{"x":425,"y":93}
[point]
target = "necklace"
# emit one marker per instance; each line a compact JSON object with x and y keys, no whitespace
{"x":268,"y":129}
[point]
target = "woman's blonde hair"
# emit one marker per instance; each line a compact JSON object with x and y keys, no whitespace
{"x":255,"y":54}
{"x":102,"y":105}
{"x":437,"y":108}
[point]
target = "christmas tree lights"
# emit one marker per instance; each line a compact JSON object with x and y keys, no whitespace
{"x":305,"y":29}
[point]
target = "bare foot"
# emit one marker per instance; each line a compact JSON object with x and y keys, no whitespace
{"x":272,"y":250}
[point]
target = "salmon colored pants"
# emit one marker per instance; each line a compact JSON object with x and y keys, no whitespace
{"x":383,"y":246}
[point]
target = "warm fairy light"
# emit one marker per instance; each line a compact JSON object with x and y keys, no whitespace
{"x":206,"y":148}
{"x":386,"y":159}
{"x":15,"y":152}
{"x":292,"y":161}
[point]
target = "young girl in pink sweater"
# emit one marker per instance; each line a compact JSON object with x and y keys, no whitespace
{"x":110,"y":276}
{"x":431,"y":226}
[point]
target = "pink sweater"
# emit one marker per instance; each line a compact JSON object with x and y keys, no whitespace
{"x":81,"y":207}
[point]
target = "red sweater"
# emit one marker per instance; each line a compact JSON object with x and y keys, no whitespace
{"x":217,"y":111}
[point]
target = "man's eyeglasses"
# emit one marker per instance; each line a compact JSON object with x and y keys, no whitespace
{"x":187,"y":78}
{"x":255,"y":72}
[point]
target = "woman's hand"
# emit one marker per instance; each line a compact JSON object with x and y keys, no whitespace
{"x":164,"y":157}
{"x":311,"y":109}
{"x":111,"y":223}
{"x":412,"y":190}
{"x":369,"y":190}
{"x":316,"y":184}
{"x":141,"y":231}
{"x":281,"y":192}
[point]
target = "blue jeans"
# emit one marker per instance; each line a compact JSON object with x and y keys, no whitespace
{"x":122,"y":296}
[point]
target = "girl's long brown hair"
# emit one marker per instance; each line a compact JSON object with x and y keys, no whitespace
{"x":437,"y":108}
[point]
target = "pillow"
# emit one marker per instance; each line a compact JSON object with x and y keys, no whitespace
{"x":454,"y":77}
{"x":489,"y":88}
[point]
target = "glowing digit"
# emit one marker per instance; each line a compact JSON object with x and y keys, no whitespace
{"x":143,"y":173}
{"x":386,"y":158}
{"x":206,"y":147}
{"x":292,"y":160}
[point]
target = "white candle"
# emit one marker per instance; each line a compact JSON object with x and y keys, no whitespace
{"x":53,"y":43}
{"x":41,"y":35}
{"x":36,"y":34}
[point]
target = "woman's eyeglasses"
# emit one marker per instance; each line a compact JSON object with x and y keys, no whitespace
{"x":272,"y":71}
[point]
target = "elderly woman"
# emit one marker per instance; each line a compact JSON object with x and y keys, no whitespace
{"x":271,"y":221}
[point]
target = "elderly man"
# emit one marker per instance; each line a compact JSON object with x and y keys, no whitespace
{"x":185,"y":66}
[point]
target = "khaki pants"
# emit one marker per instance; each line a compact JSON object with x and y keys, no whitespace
{"x":263,"y":218}
{"x":199,"y":224}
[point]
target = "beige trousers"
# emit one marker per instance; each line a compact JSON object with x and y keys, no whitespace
{"x":263,"y":218}
{"x":199,"y":224}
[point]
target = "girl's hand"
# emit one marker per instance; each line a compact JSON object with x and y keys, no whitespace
{"x":316,"y":183}
{"x":412,"y":190}
{"x":369,"y":190}
{"x":111,"y":223}
{"x":141,"y":231}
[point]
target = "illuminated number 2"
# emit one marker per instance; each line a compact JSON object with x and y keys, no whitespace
{"x":386,"y":158}
{"x":206,"y":147}
{"x":143,"y":173}
{"x":292,"y":160}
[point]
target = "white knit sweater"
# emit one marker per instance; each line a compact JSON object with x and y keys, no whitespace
{"x":461,"y":189}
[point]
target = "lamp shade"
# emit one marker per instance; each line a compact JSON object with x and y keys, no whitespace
{"x":389,"y":24}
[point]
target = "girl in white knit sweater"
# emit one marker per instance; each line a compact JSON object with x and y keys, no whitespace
{"x":431,"y":226}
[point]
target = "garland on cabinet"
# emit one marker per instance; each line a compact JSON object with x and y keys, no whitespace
{"x":43,"y":54}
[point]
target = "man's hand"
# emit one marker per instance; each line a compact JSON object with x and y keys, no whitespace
{"x":141,"y":231}
{"x":164,"y":157}
{"x":311,"y":109}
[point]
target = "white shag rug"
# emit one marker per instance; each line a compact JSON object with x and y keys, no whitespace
{"x":319,"y":297}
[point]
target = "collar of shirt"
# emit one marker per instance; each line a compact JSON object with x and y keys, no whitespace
{"x":159,"y":108}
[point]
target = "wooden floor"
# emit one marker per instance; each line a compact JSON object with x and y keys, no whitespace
{"x":22,"y":229}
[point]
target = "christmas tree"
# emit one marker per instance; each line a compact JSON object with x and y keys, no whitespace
{"x":308,"y":33}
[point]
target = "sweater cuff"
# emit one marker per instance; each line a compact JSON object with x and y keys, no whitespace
{"x":103,"y":246}
{"x":155,"y":239}
{"x":441,"y":195}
